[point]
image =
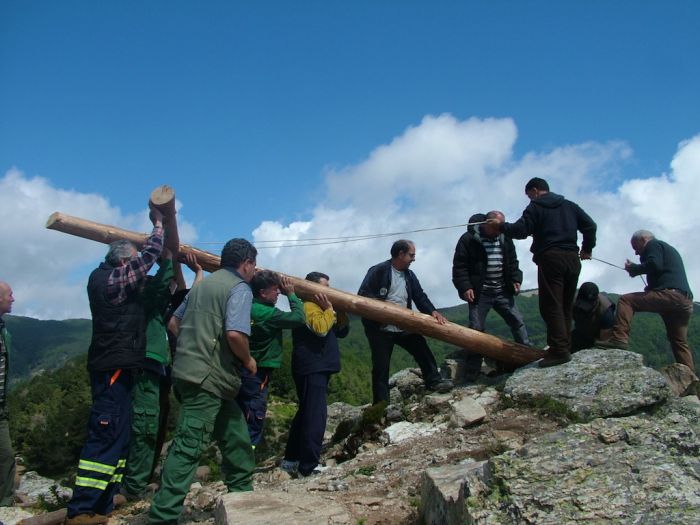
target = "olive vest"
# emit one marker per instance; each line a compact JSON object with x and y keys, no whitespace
{"x":203,"y":355}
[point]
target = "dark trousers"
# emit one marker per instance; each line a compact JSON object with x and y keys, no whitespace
{"x":674,"y":308}
{"x":504,"y":305}
{"x":382,"y":345}
{"x":7,"y":465}
{"x":252,"y":398}
{"x":103,"y":458}
{"x":557,"y":277}
{"x":309,"y":423}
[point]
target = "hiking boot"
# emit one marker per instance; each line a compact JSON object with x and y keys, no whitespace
{"x":554,"y":359}
{"x":441,"y":387}
{"x":290,"y":467}
{"x":610,"y":344}
{"x":87,"y":519}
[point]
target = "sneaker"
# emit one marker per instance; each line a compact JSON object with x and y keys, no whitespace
{"x":441,"y":387}
{"x":610,"y":343}
{"x":554,"y":359}
{"x":290,"y":467}
{"x":87,"y":519}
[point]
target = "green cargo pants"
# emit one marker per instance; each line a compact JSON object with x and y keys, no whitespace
{"x":144,"y":432}
{"x":202,"y":415}
{"x":7,"y":465}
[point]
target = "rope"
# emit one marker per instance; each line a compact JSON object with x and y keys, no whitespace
{"x":322,"y":241}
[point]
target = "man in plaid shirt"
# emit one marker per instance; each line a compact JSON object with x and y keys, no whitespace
{"x":116,"y":354}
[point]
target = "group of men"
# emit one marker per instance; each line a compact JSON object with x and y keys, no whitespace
{"x":229,"y":342}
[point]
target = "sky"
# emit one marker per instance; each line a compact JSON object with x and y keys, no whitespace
{"x":299,"y":120}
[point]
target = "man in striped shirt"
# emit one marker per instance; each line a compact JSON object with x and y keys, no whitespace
{"x":486,"y":273}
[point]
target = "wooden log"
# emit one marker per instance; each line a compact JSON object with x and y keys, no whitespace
{"x":49,"y":518}
{"x":163,"y":198}
{"x":381,"y":311}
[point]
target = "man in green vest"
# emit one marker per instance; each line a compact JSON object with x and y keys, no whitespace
{"x":7,"y":454}
{"x":212,"y":326}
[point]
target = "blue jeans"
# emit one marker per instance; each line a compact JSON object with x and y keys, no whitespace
{"x":504,"y":305}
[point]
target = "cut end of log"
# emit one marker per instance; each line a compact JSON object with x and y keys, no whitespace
{"x":53,"y":219}
{"x":162,"y":195}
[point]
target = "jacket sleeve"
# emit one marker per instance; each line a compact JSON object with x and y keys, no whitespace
{"x":156,"y":292}
{"x":342,"y":326}
{"x":370,"y":284}
{"x":419,"y":297}
{"x":587,"y":227}
{"x":319,"y":321}
{"x":295,"y":317}
{"x":523,"y":227}
{"x":460,"y":266}
{"x":652,"y":261}
{"x":514,"y":271}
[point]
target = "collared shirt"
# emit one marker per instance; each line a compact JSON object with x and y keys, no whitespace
{"x":125,"y":280}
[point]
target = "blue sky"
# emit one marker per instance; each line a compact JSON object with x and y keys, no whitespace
{"x":255,"y":111}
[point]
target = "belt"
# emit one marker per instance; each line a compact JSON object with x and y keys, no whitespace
{"x":682,"y":292}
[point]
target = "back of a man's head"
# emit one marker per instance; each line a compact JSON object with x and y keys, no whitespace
{"x":119,"y":251}
{"x":236,"y":252}
{"x":536,"y":183}
{"x":315,"y":277}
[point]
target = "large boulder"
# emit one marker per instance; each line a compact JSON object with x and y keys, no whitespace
{"x":636,"y":469}
{"x":595,"y":383}
{"x":681,"y":379}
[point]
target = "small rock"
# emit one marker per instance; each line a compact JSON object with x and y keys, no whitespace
{"x":465,"y":412}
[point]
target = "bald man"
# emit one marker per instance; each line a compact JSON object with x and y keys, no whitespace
{"x":7,"y":454}
{"x":667,"y":293}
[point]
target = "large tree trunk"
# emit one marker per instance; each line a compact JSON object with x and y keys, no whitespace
{"x":163,"y":198}
{"x":376,"y":310}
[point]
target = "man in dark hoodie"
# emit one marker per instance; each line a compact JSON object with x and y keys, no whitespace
{"x":486,"y":274}
{"x":553,"y":223}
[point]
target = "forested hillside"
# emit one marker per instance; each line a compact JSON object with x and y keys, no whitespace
{"x":49,"y":400}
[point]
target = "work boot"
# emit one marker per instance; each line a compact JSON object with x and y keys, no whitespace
{"x":610,"y":343}
{"x":441,"y":386}
{"x":554,"y":359}
{"x":89,"y":518}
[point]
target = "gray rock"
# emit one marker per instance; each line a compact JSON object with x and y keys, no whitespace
{"x":36,"y":487}
{"x":442,"y":493}
{"x":409,"y":382}
{"x":13,"y":515}
{"x":595,"y":383}
{"x":257,"y":508}
{"x":466,"y":411}
{"x":635,"y":469}
{"x":342,"y":419}
{"x":681,"y":379}
{"x":403,"y":431}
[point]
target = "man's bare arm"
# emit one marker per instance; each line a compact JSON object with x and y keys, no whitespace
{"x":238,"y":343}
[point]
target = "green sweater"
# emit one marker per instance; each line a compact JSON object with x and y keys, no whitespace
{"x":203,"y":355}
{"x":155,"y":299}
{"x":267,"y":323}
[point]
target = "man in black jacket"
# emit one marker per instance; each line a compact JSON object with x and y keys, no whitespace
{"x":486,"y":274}
{"x":553,"y":223}
{"x":392,"y":281}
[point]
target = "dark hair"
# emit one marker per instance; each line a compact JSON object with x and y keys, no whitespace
{"x":263,"y":279}
{"x":537,"y":183}
{"x":402,"y":245}
{"x":236,"y":252}
{"x":477,"y":217}
{"x":316,"y":277}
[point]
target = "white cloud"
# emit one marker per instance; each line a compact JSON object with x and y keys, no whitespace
{"x":443,"y":170}
{"x":48,"y":269}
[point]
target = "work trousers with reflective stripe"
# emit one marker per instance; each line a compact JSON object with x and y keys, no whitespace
{"x":203,"y":415}
{"x":252,"y":398}
{"x":144,"y":430}
{"x":103,"y":458}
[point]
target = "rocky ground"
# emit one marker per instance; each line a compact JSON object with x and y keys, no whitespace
{"x":602,"y":439}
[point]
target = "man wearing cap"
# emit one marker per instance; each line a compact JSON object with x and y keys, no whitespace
{"x":667,"y":293}
{"x":7,"y":454}
{"x":486,"y":274}
{"x":594,"y":315}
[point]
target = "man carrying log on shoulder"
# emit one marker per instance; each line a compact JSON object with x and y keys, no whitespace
{"x":212,"y":326}
{"x":392,"y":281}
{"x":117,"y":351}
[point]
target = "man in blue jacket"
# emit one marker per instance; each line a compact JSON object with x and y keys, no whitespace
{"x":392,"y":281}
{"x":554,"y":223}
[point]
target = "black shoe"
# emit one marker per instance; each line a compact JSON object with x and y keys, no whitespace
{"x":554,"y":359}
{"x":441,"y":387}
{"x":610,"y":343}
